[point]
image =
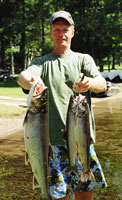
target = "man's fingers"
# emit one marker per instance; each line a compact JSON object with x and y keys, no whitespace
{"x":81,"y":77}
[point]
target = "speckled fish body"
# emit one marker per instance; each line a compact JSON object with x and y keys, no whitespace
{"x":36,"y":137}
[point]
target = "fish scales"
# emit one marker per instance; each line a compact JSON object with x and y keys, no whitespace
{"x":36,"y":137}
{"x":82,"y":139}
{"x":70,"y":136}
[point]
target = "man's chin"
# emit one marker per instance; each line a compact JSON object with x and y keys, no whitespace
{"x":62,"y":44}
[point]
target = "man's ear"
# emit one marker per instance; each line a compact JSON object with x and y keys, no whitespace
{"x":73,"y":31}
{"x":72,"y":34}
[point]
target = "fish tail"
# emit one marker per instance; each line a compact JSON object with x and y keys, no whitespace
{"x":34,"y":183}
{"x":26,"y":159}
{"x":71,"y":169}
{"x":48,"y":198}
{"x":86,"y":175}
{"x":51,"y":152}
{"x":49,"y":179}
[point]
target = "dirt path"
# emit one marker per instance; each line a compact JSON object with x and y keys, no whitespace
{"x":12,"y":136}
{"x":10,"y":125}
{"x":13,"y":144}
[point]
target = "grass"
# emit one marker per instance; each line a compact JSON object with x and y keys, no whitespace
{"x":14,"y":92}
{"x":11,"y":88}
{"x":105,"y":68}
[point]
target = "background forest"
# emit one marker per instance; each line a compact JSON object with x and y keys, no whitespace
{"x":24,"y":30}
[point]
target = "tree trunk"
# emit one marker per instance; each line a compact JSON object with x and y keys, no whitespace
{"x":113,"y":61}
{"x":108,"y":64}
{"x":2,"y":53}
{"x":22,"y":47}
{"x":101,"y":65}
{"x":12,"y":57}
{"x":43,"y":37}
{"x":22,"y":50}
{"x":100,"y":59}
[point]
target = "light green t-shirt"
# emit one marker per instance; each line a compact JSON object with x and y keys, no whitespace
{"x":59,"y":73}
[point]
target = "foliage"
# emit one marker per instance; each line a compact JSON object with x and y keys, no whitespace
{"x":26,"y":24}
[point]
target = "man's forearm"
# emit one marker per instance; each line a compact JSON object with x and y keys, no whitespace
{"x":98,"y":85}
{"x":24,"y":80}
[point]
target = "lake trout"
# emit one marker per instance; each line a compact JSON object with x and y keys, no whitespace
{"x":70,"y":135}
{"x":82,"y":137}
{"x":36,"y":137}
{"x":78,"y":135}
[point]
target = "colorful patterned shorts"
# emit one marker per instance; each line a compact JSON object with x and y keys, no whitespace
{"x":61,"y":182}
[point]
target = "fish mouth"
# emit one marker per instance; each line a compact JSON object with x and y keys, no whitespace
{"x":79,"y":99}
{"x":38,"y":90}
{"x":39,"y":99}
{"x":76,"y":102}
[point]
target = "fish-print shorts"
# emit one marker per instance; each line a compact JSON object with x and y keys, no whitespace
{"x":61,"y":182}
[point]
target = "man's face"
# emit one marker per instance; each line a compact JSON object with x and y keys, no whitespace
{"x":61,"y":32}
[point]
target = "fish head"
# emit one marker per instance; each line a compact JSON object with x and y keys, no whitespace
{"x":73,"y":104}
{"x":37,"y":97}
{"x":82,"y":109}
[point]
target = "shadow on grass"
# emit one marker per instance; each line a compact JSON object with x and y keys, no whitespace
{"x":11,"y":82}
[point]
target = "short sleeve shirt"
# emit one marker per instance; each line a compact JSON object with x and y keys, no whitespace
{"x":59,"y":73}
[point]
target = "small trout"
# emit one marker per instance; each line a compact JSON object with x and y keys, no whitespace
{"x":79,"y":130}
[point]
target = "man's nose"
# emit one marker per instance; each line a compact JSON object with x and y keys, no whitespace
{"x":61,"y":32}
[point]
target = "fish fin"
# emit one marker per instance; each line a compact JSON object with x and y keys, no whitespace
{"x":71,"y":169}
{"x":79,"y":157}
{"x":79,"y":160}
{"x":49,"y":179}
{"x":51,"y":152}
{"x":25,"y":119}
{"x":26,"y":158}
{"x":86,"y":175}
{"x":35,"y":183}
{"x":45,"y":198}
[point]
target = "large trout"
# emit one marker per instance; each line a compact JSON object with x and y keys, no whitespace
{"x":78,"y":131}
{"x":36,"y":137}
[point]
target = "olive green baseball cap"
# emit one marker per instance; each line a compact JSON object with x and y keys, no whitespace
{"x":62,"y":14}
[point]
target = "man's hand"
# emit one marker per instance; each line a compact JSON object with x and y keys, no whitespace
{"x":26,"y":80}
{"x":39,"y":80}
{"x":82,"y":85}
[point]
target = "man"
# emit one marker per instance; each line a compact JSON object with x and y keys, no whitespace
{"x":61,"y":71}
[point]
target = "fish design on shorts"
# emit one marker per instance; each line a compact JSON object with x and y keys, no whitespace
{"x":78,"y":128}
{"x":36,"y":137}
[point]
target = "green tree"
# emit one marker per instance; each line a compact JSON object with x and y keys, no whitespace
{"x":25,"y":24}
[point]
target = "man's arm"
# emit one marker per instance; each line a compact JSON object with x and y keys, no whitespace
{"x":24,"y":80}
{"x":97,"y":84}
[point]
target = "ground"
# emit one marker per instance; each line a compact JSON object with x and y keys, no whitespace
{"x":16,"y":178}
{"x":10,"y":125}
{"x":12,"y":130}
